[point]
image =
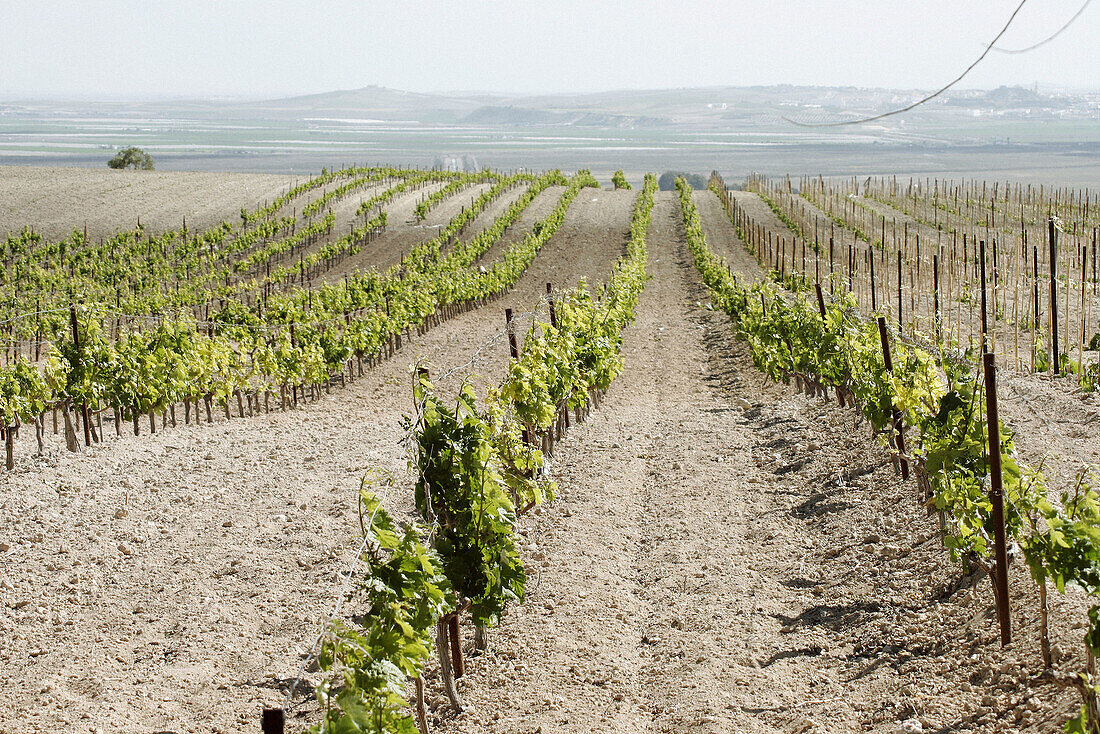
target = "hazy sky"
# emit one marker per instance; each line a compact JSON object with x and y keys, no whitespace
{"x":272,"y":47}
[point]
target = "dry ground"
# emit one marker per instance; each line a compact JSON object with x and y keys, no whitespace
{"x":174,"y":582}
{"x":725,"y":555}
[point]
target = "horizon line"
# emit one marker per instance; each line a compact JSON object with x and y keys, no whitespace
{"x":28,"y":97}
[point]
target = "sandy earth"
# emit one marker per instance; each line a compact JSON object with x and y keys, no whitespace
{"x":403,"y":231}
{"x":725,"y":555}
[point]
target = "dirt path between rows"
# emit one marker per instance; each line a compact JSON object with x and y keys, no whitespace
{"x":539,"y":207}
{"x":1052,"y":418}
{"x":391,"y":245}
{"x":759,"y":210}
{"x":641,"y":616}
{"x":721,"y":236}
{"x":403,"y":232}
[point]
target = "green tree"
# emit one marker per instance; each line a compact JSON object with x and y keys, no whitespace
{"x":132,"y":158}
{"x":667,"y":181}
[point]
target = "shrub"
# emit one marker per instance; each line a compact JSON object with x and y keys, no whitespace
{"x":135,"y":158}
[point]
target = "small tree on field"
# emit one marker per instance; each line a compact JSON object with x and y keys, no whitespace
{"x":135,"y":158}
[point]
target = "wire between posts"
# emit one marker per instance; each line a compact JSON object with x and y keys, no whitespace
{"x":32,"y":314}
{"x":525,"y":316}
{"x":155,"y":319}
{"x":495,"y":338}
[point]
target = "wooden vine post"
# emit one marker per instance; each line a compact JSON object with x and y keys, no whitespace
{"x":1052,"y":239}
{"x":455,"y":639}
{"x":899,"y":428}
{"x":1081,"y":313}
{"x":84,"y":404}
{"x":273,"y":721}
{"x":550,"y":301}
{"x":936,"y":294}
{"x":1035,"y":290}
{"x":513,"y":347}
{"x":985,"y":307}
{"x":874,"y":300}
{"x":899,"y":291}
{"x":513,"y":350}
{"x":830,"y":265}
{"x":996,"y":498}
{"x":9,"y":447}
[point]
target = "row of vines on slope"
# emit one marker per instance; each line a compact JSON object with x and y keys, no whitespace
{"x":831,"y":344}
{"x":142,"y":272}
{"x":178,"y":270}
{"x":478,"y":468}
{"x":420,"y":211}
{"x":143,"y":279}
{"x":1028,"y":287}
{"x":306,"y":338}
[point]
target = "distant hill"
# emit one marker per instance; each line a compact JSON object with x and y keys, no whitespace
{"x":702,"y":109}
{"x":372,"y":102}
{"x":511,"y":115}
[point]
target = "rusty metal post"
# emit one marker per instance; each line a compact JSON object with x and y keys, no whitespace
{"x":996,"y":498}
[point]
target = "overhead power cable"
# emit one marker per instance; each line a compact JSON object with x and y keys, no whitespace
{"x":1046,"y":40}
{"x":953,"y":82}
